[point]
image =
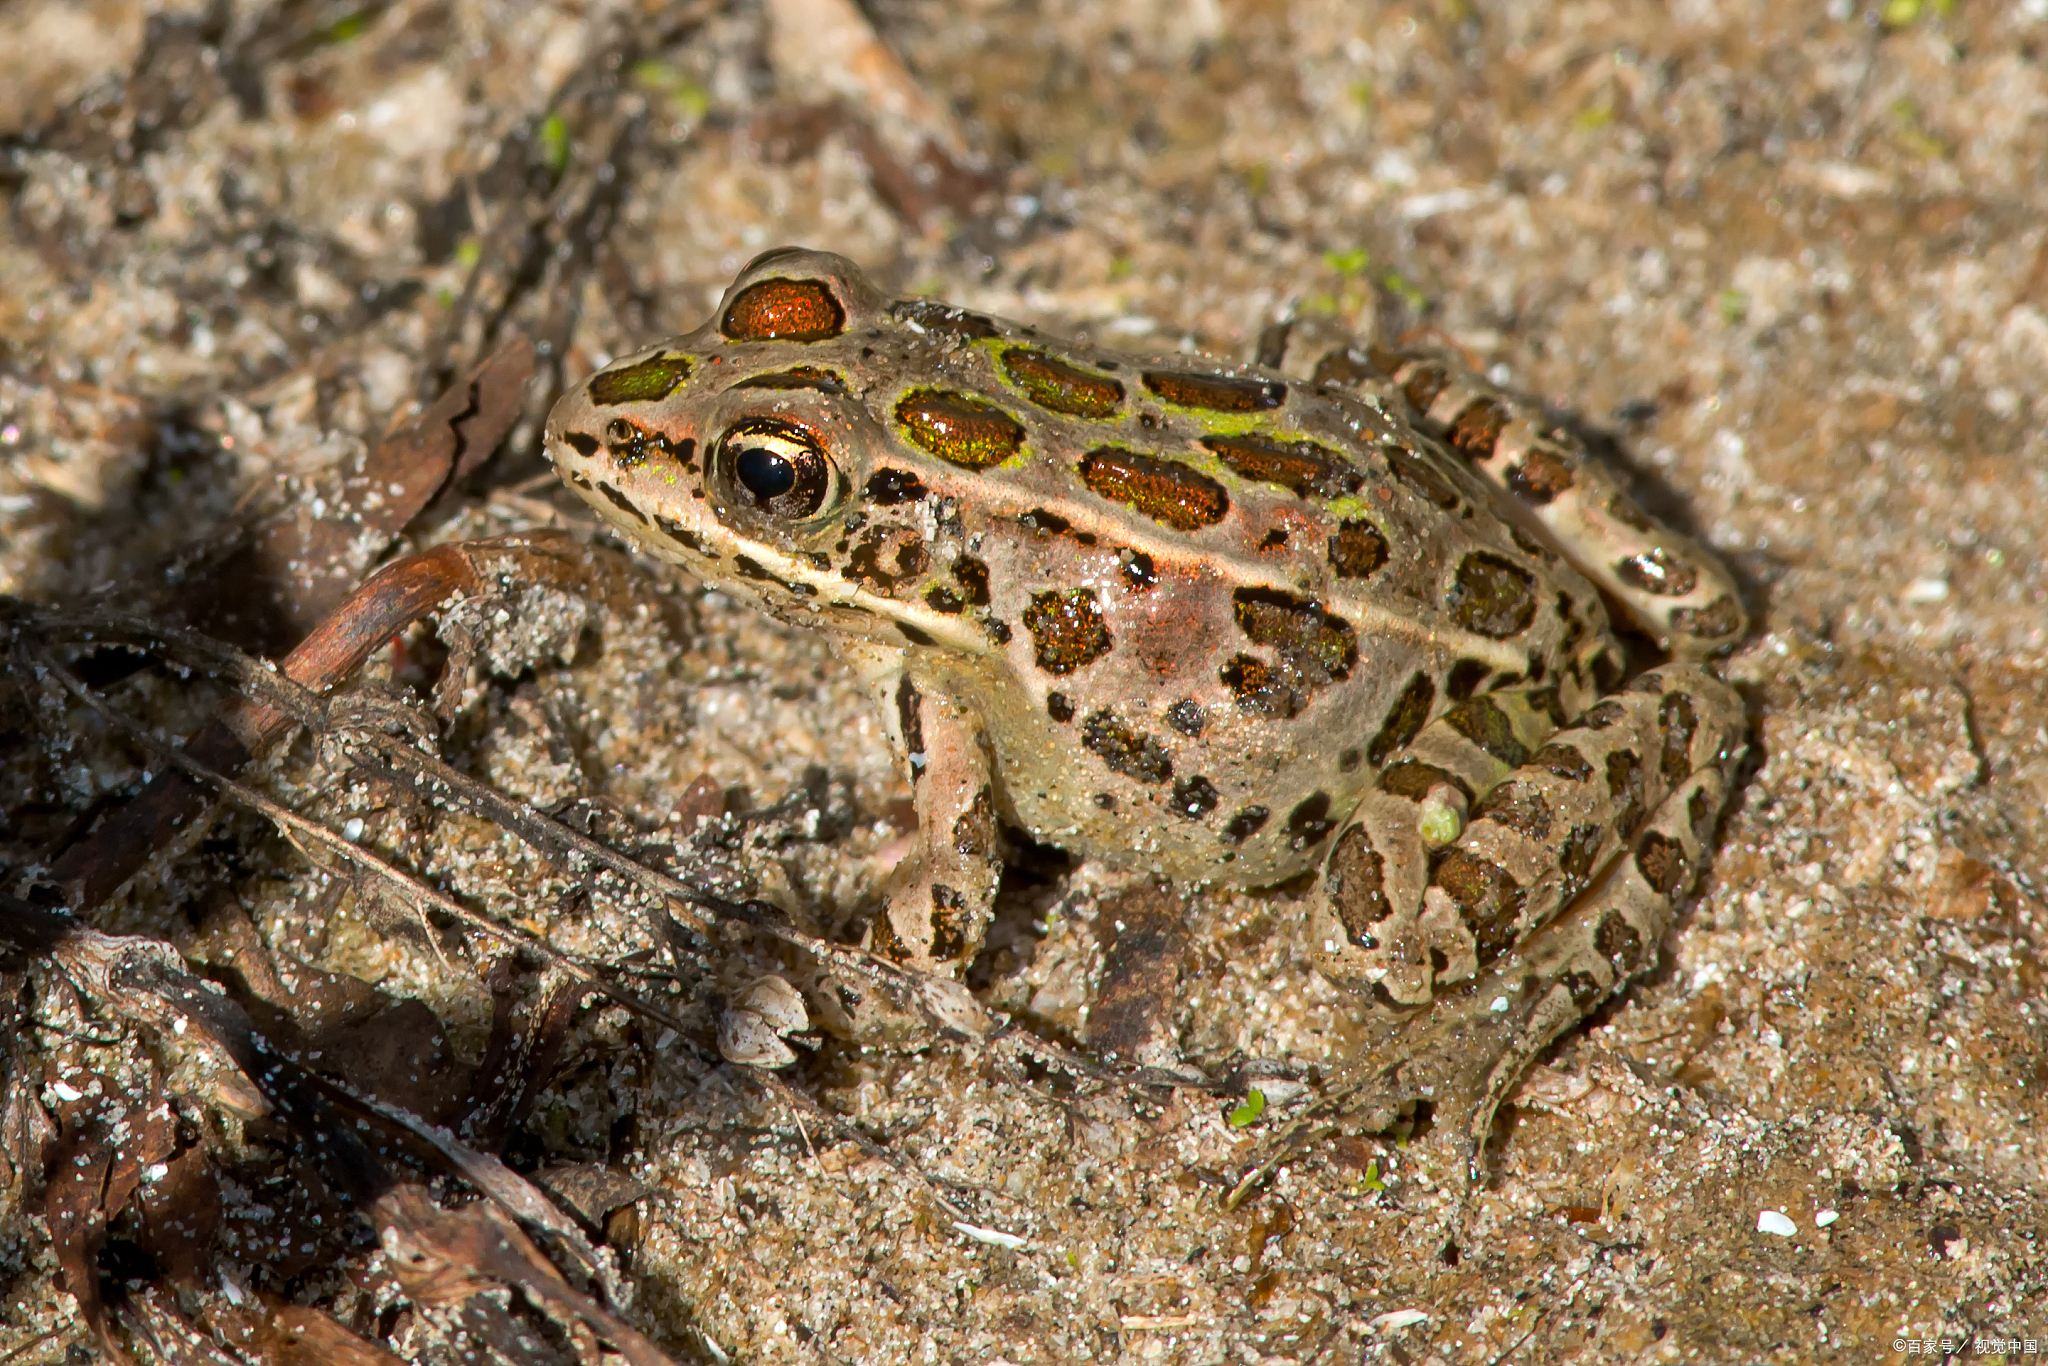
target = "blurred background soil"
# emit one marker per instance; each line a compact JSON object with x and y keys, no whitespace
{"x":1787,"y":264}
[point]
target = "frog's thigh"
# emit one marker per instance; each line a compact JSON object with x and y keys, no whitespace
{"x":1670,"y":586}
{"x":1534,"y":841}
{"x":1371,"y":926}
{"x":939,"y":897}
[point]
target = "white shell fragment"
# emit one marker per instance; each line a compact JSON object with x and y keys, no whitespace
{"x":994,"y":1237}
{"x":1774,"y":1222}
{"x":752,"y":1026}
{"x":776,"y":1001}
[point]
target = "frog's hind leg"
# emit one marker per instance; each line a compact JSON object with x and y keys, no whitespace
{"x":1668,"y":584}
{"x":1558,"y":887}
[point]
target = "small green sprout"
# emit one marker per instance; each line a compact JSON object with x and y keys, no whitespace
{"x":554,"y":143}
{"x":1247,"y":1113}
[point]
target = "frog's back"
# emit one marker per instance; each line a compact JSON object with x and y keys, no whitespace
{"x":1195,"y":606}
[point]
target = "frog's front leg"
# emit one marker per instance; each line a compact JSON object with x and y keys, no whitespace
{"x":940,"y":896}
{"x":1558,"y":884}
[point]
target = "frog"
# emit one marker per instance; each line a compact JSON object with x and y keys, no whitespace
{"x":1337,"y":624}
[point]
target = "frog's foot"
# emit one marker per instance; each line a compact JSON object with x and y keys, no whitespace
{"x":1669,"y":585}
{"x":1556,"y":889}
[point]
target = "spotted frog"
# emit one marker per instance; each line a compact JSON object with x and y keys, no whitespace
{"x":1209,"y":622}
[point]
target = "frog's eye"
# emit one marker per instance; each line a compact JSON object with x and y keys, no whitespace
{"x":774,"y":467}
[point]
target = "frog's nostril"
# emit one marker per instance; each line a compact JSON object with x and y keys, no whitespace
{"x":763,"y":473}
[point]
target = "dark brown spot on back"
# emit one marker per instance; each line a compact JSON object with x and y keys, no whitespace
{"x":1346,"y":368}
{"x":1127,"y":751}
{"x":1575,"y":860}
{"x":1404,"y":720}
{"x":1464,"y":678}
{"x":1067,"y":628}
{"x":1625,"y":785}
{"x":1355,"y":881}
{"x":1054,"y":384}
{"x":1721,"y":617}
{"x":1413,"y":779}
{"x":1478,"y":427}
{"x":1661,"y":861}
{"x":1492,"y":596}
{"x":942,"y":318}
{"x":1623,"y":509}
{"x":1140,"y":574}
{"x":1418,"y":475}
{"x":972,"y":575}
{"x":1321,"y":647}
{"x":1518,"y":806}
{"x":1357,"y":550}
{"x":1654,"y":571}
{"x":1309,"y":824}
{"x":1163,"y":490}
{"x":1540,"y":477}
{"x":1424,"y":383}
{"x":644,"y":381}
{"x":1304,"y":468}
{"x":1562,"y":761}
{"x":1217,"y":393}
{"x":1252,"y":682}
{"x":1486,"y":894}
{"x":1194,"y":798}
{"x":1617,"y":941}
{"x":784,"y":310}
{"x":1699,"y":813}
{"x":1482,"y":721}
{"x":1679,"y":722}
{"x":961,"y":430}
{"x":1186,"y":716}
{"x":1246,"y":823}
{"x":1059,"y":707}
{"x":1046,"y":522}
{"x":943,"y":599}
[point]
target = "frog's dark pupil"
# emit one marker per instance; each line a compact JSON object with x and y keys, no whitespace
{"x":763,"y":473}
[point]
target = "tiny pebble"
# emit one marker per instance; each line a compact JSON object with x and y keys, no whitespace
{"x":1826,"y":1217}
{"x":1771,"y":1221}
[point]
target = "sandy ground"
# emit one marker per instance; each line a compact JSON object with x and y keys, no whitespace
{"x":1791,"y":260}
